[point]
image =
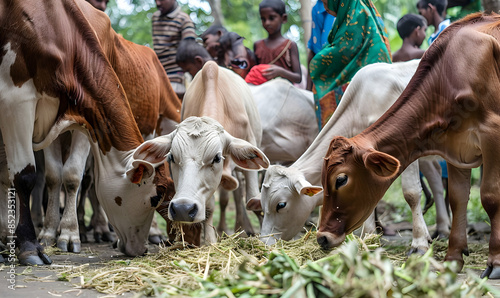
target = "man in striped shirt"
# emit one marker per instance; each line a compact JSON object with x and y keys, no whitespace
{"x":170,"y":26}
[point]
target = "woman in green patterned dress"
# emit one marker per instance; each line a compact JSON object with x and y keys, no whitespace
{"x":358,"y":38}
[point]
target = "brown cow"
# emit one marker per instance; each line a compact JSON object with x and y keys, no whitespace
{"x":151,"y":99}
{"x":55,"y":76}
{"x":449,"y":108}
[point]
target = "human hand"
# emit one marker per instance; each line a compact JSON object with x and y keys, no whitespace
{"x":272,"y":72}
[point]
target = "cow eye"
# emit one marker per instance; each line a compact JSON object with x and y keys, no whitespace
{"x":341,"y":181}
{"x":217,"y":158}
{"x":280,"y":205}
{"x":170,"y":158}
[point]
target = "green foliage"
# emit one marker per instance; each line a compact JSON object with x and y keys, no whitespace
{"x":350,"y":272}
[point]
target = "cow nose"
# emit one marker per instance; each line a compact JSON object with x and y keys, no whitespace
{"x":323,"y":242}
{"x":183,"y":212}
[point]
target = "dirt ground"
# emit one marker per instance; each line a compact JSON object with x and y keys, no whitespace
{"x":32,"y":282}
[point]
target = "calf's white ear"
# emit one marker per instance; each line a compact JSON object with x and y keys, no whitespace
{"x":303,"y":187}
{"x":154,"y":151}
{"x":254,"y":204}
{"x":147,"y":157}
{"x":244,"y":154}
{"x":380,"y":163}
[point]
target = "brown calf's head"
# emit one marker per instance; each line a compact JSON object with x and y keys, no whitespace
{"x":355,"y":177}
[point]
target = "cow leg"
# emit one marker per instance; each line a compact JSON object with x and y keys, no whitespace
{"x":87,"y":181}
{"x":37,"y":193}
{"x":223,"y":201}
{"x":72,"y":173}
{"x":155,"y":234}
{"x":432,"y":171}
{"x":249,"y":188}
{"x":53,"y":180}
{"x":459,"y":189}
{"x":490,"y":191}
{"x":412,"y":191}
{"x":99,"y":220}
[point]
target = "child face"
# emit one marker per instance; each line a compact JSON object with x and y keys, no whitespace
{"x":191,"y":68}
{"x":211,"y":43}
{"x":165,"y":6}
{"x":426,"y":12}
{"x":420,"y":35}
{"x":271,"y":20}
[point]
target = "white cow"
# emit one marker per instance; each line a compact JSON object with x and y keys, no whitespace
{"x":288,"y":128}
{"x":289,"y":195}
{"x":288,"y":119}
{"x":221,"y":124}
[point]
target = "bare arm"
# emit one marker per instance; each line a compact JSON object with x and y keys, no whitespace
{"x":295,"y":76}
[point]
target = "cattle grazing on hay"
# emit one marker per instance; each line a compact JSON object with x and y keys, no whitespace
{"x":220,"y":129}
{"x":290,"y":194}
{"x":55,"y":76}
{"x":151,"y":99}
{"x":449,"y":108}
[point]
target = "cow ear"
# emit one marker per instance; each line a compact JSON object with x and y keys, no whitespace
{"x":229,"y":183}
{"x":154,"y":151}
{"x":303,"y":187}
{"x":382,"y":164}
{"x":147,"y":157}
{"x":254,"y":204}
{"x":140,"y":170}
{"x":244,"y":154}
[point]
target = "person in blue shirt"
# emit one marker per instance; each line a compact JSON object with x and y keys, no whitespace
{"x":321,"y":26}
{"x":434,"y":11}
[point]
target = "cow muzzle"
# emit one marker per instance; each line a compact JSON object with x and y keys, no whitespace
{"x":183,"y":212}
{"x":328,"y":240}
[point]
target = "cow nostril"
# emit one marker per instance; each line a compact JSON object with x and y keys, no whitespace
{"x":322,"y":241}
{"x":172,"y":210}
{"x":193,"y":211}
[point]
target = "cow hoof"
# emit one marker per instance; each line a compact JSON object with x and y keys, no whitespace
{"x":491,"y":273}
{"x":416,"y":251}
{"x":29,"y":259}
{"x":76,"y":247}
{"x":72,"y":246}
{"x":2,"y":260}
{"x":108,"y":237}
{"x":97,"y":237}
{"x":439,"y":236}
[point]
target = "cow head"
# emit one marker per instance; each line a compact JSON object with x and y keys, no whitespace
{"x":354,"y":177}
{"x":130,"y":195}
{"x":196,"y":152}
{"x":286,"y":199}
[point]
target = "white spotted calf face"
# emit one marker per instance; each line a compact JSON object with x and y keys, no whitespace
{"x":287,"y":200}
{"x":198,"y":153}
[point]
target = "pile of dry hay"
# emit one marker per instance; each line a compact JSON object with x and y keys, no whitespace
{"x":246,"y":267}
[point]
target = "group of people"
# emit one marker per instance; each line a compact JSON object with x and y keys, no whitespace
{"x":336,"y":49}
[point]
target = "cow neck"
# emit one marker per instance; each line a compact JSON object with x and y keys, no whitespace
{"x":105,"y":105}
{"x":408,"y":130}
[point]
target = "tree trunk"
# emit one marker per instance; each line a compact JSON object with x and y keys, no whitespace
{"x":216,"y":12}
{"x":305,"y":14}
{"x":491,"y":5}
